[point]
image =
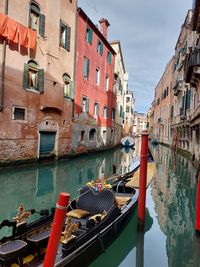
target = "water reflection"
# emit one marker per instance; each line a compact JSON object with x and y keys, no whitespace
{"x":174,"y":194}
{"x":38,"y":186}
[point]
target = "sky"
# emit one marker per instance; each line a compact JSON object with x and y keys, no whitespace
{"x":148,"y":31}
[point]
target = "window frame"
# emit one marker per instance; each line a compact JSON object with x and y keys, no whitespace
{"x":86,"y":106}
{"x":97,"y":76}
{"x":96,"y":110}
{"x":67,"y":36}
{"x":13,"y":113}
{"x":89,"y":35}
{"x":107,"y":82}
{"x":32,"y":66}
{"x":86,"y":68}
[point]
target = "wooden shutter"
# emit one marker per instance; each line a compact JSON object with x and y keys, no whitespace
{"x":90,"y":36}
{"x":101,"y":48}
{"x":85,"y":67}
{"x":88,"y":67}
{"x":67,"y":38}
{"x":87,"y":105}
{"x":188,"y":94}
{"x":40,"y":85}
{"x":42,"y":25}
{"x":71,"y":90}
{"x":25,"y":77}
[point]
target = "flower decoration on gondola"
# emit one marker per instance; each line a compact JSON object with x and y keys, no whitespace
{"x":99,"y":184}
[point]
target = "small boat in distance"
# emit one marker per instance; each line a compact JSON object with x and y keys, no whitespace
{"x":128,"y":141}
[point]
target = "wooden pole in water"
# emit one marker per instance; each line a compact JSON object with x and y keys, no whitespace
{"x":61,"y":208}
{"x":198,"y":207}
{"x":142,"y":181}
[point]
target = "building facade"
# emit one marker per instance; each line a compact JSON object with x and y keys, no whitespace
{"x":95,"y":99}
{"x":140,"y":123}
{"x":162,"y":106}
{"x":120,"y":88}
{"x":129,"y":107}
{"x":183,"y":100}
{"x":37,"y":51}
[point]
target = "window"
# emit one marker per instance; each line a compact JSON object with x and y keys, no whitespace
{"x":104,"y":135}
{"x":100,"y":47}
{"x":109,"y":57}
{"x":89,"y":34}
{"x":113,"y":113}
{"x":97,"y":76}
{"x":86,"y":68}
{"x":85,"y":104}
{"x":127,"y":109}
{"x":36,"y":20}
{"x":68,"y":87}
{"x":105,"y":112}
{"x":19,"y":113}
{"x":82,"y":135}
{"x":33,"y":77}
{"x":128,"y":99}
{"x":107,"y":82}
{"x":96,"y":109}
{"x":92,"y":134}
{"x":65,"y":33}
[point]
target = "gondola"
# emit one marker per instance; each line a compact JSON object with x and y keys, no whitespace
{"x":93,"y":220}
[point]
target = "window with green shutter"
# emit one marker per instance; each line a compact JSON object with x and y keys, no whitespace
{"x":89,"y":35}
{"x":33,"y":77}
{"x":68,"y":87}
{"x":86,"y":67}
{"x":65,"y":36}
{"x":36,"y":20}
{"x":188,"y":96}
{"x":100,"y":47}
{"x":109,"y":57}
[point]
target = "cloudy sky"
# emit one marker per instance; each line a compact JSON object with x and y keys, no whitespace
{"x":148,"y":31}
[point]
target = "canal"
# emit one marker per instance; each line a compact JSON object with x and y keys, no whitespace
{"x":169,"y":238}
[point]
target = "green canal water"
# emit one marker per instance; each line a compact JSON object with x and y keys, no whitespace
{"x":169,"y":238}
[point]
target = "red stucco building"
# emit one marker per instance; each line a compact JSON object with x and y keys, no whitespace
{"x":95,"y":100}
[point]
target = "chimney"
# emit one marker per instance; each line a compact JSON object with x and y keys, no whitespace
{"x":104,"y":27}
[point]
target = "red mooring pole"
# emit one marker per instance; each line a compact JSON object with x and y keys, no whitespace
{"x":142,"y":181}
{"x":198,"y":207}
{"x":57,"y":226}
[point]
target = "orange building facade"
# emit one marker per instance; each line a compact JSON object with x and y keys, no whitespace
{"x":37,"y":51}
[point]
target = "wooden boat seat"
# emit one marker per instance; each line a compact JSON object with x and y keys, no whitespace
{"x":11,"y":249}
{"x":96,"y":202}
{"x":39,"y":237}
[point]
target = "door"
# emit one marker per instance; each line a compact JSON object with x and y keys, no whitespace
{"x":47,"y":143}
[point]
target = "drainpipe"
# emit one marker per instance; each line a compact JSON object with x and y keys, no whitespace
{"x":3,"y":63}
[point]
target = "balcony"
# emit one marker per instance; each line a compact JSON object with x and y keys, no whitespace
{"x":196,"y":20}
{"x":178,"y":87}
{"x":192,"y":61}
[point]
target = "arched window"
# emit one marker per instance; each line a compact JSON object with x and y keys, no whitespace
{"x":33,"y":77}
{"x":66,"y":80}
{"x":36,"y":19}
{"x":34,"y":16}
{"x":92,"y":134}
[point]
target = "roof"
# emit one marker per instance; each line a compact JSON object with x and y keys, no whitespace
{"x":101,"y":36}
